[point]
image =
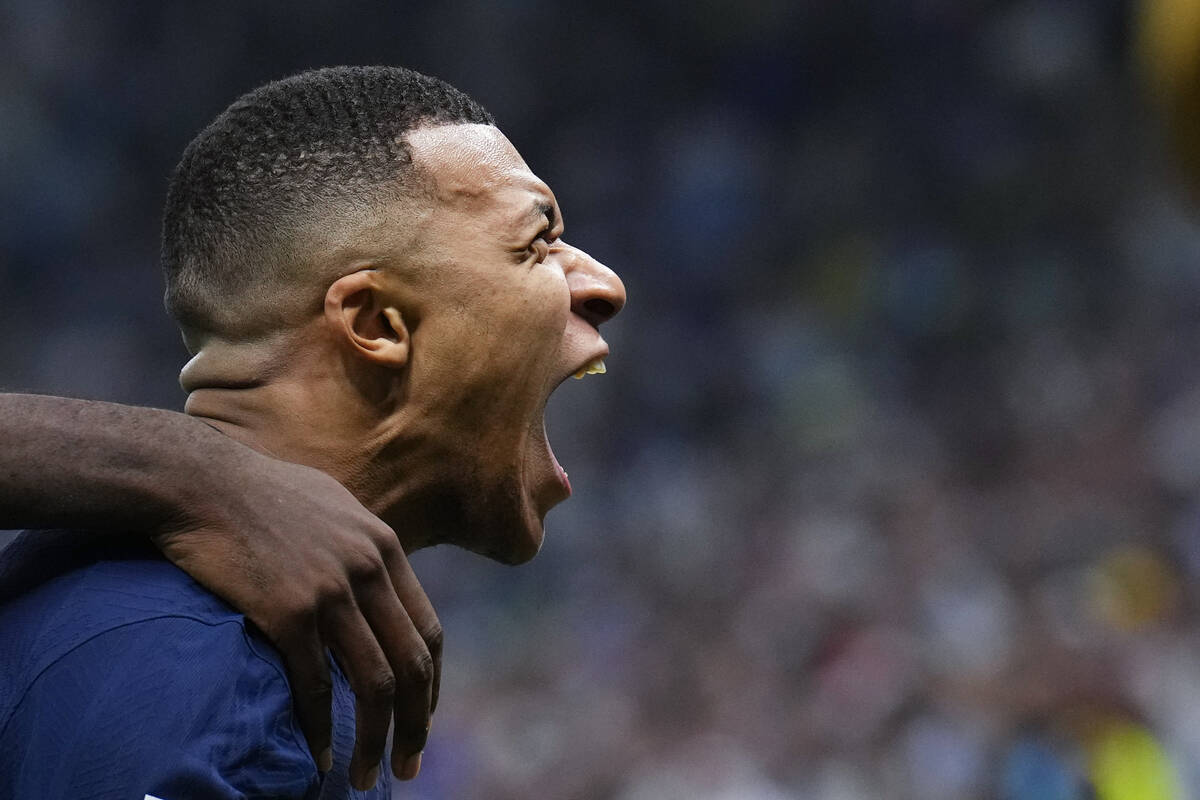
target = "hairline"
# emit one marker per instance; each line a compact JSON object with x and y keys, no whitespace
{"x":307,"y":238}
{"x":244,"y":254}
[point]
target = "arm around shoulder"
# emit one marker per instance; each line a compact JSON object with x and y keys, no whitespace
{"x":91,"y":464}
{"x":223,"y":513}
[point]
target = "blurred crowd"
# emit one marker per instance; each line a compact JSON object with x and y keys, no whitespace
{"x":892,"y":489}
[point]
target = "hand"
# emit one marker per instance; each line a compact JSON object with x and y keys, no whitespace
{"x":293,"y":550}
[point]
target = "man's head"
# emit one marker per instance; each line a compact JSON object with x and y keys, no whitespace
{"x":285,"y":171}
{"x":373,"y":282}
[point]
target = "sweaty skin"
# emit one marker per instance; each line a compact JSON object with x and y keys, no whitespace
{"x":223,"y":512}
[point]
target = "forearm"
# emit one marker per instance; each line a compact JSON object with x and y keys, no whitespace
{"x":83,"y":463}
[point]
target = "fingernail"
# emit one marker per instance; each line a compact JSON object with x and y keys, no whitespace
{"x":325,"y":760}
{"x":411,"y":767}
{"x":372,"y":776}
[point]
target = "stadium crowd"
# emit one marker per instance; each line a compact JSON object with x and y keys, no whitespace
{"x":892,"y":489}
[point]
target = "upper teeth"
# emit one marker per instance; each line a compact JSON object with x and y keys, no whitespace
{"x":594,"y":368}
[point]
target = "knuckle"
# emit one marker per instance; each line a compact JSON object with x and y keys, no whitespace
{"x":366,"y":566}
{"x":385,"y":540}
{"x":381,"y":689}
{"x":433,"y":636}
{"x":418,"y":670}
{"x":328,"y":592}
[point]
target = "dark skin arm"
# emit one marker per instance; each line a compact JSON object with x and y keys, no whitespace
{"x":285,"y":544}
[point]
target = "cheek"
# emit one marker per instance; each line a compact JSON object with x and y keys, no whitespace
{"x":555,"y":308}
{"x":508,"y":347}
{"x":503,"y":338}
{"x":534,"y":320}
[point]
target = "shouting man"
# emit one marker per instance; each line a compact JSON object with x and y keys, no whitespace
{"x":372,"y":283}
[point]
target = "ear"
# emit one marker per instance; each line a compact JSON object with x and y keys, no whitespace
{"x":358,"y":311}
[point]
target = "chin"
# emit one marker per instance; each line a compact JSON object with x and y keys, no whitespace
{"x":501,"y":524}
{"x":514,"y":542}
{"x":515,"y":552}
{"x":505,"y":546}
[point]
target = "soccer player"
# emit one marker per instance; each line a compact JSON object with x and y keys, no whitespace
{"x":373,"y":284}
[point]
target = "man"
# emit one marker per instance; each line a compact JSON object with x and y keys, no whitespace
{"x":373,"y":283}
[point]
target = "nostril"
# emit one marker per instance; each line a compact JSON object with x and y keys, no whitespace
{"x":599,"y":308}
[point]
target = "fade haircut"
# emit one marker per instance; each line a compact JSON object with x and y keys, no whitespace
{"x":284,"y":163}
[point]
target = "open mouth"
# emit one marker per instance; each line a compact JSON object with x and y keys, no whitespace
{"x":594,"y":366}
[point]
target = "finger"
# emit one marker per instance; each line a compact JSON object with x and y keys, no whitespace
{"x":381,"y":685}
{"x":374,"y":687}
{"x":414,"y":687}
{"x":312,"y":693}
{"x":413,"y":667}
{"x":420,"y":611}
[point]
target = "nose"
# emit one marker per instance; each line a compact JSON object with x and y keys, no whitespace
{"x":597,"y":294}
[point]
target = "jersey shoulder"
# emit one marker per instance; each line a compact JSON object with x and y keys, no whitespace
{"x":58,"y":589}
{"x":124,"y":676}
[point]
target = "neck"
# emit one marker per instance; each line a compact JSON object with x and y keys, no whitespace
{"x":308,"y":408}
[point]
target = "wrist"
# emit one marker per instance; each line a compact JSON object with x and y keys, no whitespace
{"x":204,"y":488}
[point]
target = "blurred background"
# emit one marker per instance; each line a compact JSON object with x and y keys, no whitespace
{"x":892,"y":489}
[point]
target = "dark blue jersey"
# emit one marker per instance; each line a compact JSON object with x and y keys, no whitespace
{"x":120,"y":677}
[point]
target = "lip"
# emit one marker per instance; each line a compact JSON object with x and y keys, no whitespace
{"x":601,"y":353}
{"x":554,"y":486}
{"x":563,"y":480}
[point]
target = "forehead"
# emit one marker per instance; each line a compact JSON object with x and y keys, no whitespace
{"x":475,"y":167}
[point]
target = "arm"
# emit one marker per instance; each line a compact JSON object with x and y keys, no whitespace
{"x":225,"y":513}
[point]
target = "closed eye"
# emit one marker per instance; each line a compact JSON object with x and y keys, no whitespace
{"x":545,"y":240}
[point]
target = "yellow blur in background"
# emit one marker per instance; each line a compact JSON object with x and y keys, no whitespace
{"x":1168,"y":56}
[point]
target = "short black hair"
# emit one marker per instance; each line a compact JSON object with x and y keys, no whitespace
{"x":284,"y":159}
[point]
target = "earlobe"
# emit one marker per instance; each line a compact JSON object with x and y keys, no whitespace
{"x":374,"y":328}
